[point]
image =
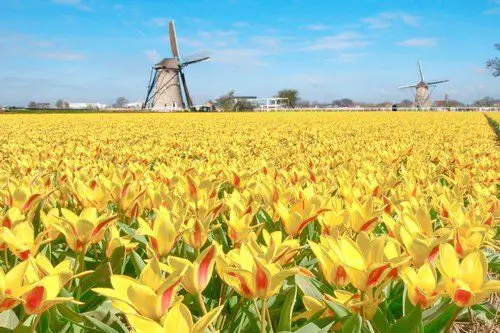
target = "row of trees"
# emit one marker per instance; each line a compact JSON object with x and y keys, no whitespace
{"x":230,"y":102}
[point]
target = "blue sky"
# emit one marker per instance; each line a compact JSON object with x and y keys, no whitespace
{"x":97,"y":50}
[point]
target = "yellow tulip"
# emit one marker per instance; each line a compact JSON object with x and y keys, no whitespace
{"x":12,"y":286}
{"x":116,"y":241}
{"x":11,"y":218}
{"x":177,"y":320}
{"x":21,"y":240}
{"x":150,"y":297}
{"x":422,"y":284}
{"x":239,"y":227}
{"x":199,"y":273}
{"x":297,"y":217}
{"x":88,"y":228}
{"x":163,"y":232}
{"x":196,"y":232}
{"x":329,"y":262}
{"x":43,"y":295}
{"x":313,"y":306}
{"x":251,"y":277}
{"x":275,"y":250}
{"x":363,"y":260}
{"x":465,"y":281}
{"x":362,"y":215}
{"x":353,"y":302}
{"x":23,"y":198}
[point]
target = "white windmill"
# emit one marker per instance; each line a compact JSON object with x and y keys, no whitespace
{"x":164,"y":89}
{"x":422,"y":94}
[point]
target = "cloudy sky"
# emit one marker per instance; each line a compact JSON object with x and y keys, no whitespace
{"x":97,"y":50}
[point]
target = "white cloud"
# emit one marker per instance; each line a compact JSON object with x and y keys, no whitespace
{"x":241,"y":24}
{"x":159,"y":22}
{"x":74,"y":3}
{"x":419,"y":42}
{"x":152,"y":55}
{"x":62,"y":56}
{"x":492,"y":11}
{"x":42,"y":43}
{"x":349,"y":57}
{"x":479,"y":70}
{"x":341,"y":41}
{"x":317,"y":27}
{"x":388,"y":19}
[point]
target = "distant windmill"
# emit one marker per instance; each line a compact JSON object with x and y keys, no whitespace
{"x":422,"y":94}
{"x":164,"y":89}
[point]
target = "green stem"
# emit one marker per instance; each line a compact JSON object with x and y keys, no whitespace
{"x":6,"y":258}
{"x":263,"y":316}
{"x":81,"y":268}
{"x":361,"y":308}
{"x":452,"y":320}
{"x":35,"y":324}
{"x":235,"y":311}
{"x":204,"y":310}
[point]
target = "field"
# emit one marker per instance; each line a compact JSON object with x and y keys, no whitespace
{"x":252,"y":222}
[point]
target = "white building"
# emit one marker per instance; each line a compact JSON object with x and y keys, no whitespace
{"x":97,"y":106}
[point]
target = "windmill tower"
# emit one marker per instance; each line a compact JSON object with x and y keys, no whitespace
{"x":164,"y":89}
{"x":422,"y":94}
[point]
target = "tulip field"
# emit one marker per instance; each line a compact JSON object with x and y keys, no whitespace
{"x":249,"y":222}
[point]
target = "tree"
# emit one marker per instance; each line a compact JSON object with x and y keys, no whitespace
{"x":291,"y":94}
{"x":453,"y":104}
{"x":343,"y":103}
{"x":226,"y":102}
{"x":486,"y":101}
{"x":121,"y":102}
{"x":243,"y":105}
{"x":32,"y":105}
{"x":60,"y":104}
{"x":406,"y":103}
{"x":494,"y":64}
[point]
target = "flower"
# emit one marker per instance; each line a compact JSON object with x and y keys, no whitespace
{"x":198,"y":274}
{"x":88,"y":228}
{"x":465,"y":281}
{"x":422,"y":284}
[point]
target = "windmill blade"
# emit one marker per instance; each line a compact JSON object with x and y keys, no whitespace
{"x":421,"y":71}
{"x":408,"y":86}
{"x":186,"y":91}
{"x":194,"y":61}
{"x":437,"y":82}
{"x":173,"y":40}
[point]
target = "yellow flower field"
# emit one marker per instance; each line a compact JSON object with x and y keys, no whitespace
{"x":250,"y":222}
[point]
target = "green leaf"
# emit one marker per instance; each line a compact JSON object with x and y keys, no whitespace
{"x":340,"y":312}
{"x":137,"y":262}
{"x":307,"y":287}
{"x":102,"y":272}
{"x":285,"y":323}
{"x":8,"y":319}
{"x":410,"y":323}
{"x":99,"y":325}
{"x":438,"y":318}
{"x":407,"y":306}
{"x":494,"y":263}
{"x":353,"y":324}
{"x":69,"y":314}
{"x":133,"y":233}
{"x":379,"y":322}
{"x":318,"y":326}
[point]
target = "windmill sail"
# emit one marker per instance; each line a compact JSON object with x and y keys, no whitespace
{"x":437,"y":82}
{"x":173,"y":40}
{"x":421,"y":72}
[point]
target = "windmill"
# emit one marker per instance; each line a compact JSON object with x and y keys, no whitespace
{"x":422,"y":94}
{"x":164,"y":89}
